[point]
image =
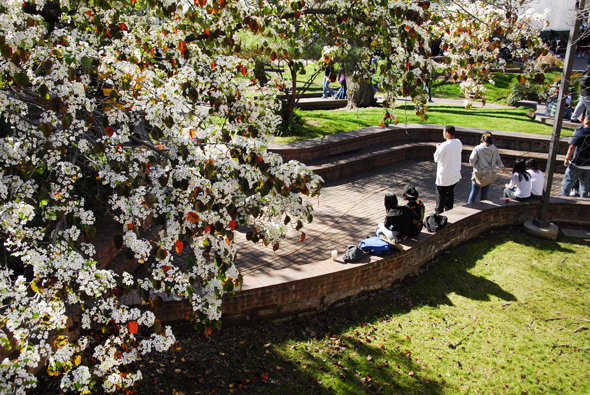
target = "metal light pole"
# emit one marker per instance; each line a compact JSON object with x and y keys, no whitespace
{"x":542,"y":221}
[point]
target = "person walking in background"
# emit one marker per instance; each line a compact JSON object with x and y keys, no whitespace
{"x":484,"y":156}
{"x":537,"y":179}
{"x":584,"y":103}
{"x":448,"y":169}
{"x":328,"y":75}
{"x":577,"y":161}
{"x":519,"y":187}
{"x":341,"y":94}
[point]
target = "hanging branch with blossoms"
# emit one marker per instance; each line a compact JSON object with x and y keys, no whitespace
{"x":473,"y":35}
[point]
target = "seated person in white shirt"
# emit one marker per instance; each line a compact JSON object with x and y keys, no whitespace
{"x":520,"y":184}
{"x":537,"y":179}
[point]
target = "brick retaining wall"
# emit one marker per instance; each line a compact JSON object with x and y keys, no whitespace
{"x":339,"y":143}
{"x":321,"y":284}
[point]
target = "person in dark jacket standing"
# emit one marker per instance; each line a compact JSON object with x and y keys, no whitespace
{"x":328,"y":74}
{"x":577,"y":161}
{"x":584,"y":103}
{"x":397,"y":223}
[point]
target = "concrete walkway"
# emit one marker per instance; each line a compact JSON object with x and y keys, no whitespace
{"x":349,"y":210}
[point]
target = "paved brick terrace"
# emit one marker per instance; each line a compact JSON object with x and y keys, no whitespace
{"x":349,"y":210}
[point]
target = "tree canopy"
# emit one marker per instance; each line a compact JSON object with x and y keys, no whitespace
{"x":132,"y":109}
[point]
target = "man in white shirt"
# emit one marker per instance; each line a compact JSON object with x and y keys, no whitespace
{"x":448,"y":169}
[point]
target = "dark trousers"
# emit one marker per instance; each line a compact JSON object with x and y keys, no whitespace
{"x":445,"y":197}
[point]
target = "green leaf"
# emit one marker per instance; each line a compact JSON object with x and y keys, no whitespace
{"x":86,"y":62}
{"x":90,"y":231}
{"x":21,"y":79}
{"x":6,"y":51}
{"x":191,"y":261}
{"x":47,"y":66}
{"x":67,"y":120}
{"x":169,"y":122}
{"x":55,"y":104}
{"x":43,"y":92}
{"x":46,"y":129}
{"x":161,"y":254}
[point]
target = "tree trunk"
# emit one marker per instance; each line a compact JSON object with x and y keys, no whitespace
{"x":361,"y":94}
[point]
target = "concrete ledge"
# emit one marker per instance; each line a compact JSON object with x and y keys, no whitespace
{"x":315,"y":286}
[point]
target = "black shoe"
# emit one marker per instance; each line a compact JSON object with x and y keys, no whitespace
{"x":575,"y":121}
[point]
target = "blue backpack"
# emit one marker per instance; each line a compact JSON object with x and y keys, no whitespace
{"x":375,"y":245}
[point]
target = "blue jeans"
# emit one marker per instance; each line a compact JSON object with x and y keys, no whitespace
{"x":475,"y":191}
{"x":572,"y":174}
{"x":327,"y":88}
{"x":341,"y":94}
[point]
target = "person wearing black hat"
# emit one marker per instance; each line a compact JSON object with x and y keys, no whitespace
{"x":416,"y":208}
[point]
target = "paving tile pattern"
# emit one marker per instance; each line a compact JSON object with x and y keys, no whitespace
{"x":349,"y":210}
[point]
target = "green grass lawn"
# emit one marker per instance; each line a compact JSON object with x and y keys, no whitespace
{"x":325,"y":122}
{"x":496,"y":93}
{"x":504,"y":314}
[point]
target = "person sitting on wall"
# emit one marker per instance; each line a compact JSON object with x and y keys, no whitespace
{"x":397,"y":223}
{"x":416,"y":208}
{"x":537,"y":179}
{"x":520,"y":184}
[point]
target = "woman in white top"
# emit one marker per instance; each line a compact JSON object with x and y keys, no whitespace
{"x":537,"y":179}
{"x":520,"y":184}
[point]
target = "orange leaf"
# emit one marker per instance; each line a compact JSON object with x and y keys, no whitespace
{"x":132,"y":326}
{"x":232,"y":224}
{"x":193,"y":217}
{"x":193,"y":133}
{"x":227,"y":241}
{"x":382,"y":124}
{"x":182,"y":46}
{"x":244,"y":70}
{"x":302,"y":236}
{"x":122,"y":26}
{"x":178,"y":246}
{"x":109,"y":131}
{"x":130,"y":226}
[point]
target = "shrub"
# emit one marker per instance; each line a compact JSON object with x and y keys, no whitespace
{"x":520,"y":91}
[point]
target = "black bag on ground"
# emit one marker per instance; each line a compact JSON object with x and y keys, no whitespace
{"x":435,"y":222}
{"x":353,"y":254}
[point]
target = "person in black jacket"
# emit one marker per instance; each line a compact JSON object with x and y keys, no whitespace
{"x":416,"y":208}
{"x":397,"y":223}
{"x":584,"y":103}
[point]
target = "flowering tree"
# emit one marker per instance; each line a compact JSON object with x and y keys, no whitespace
{"x":135,"y":104}
{"x":107,"y":96}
